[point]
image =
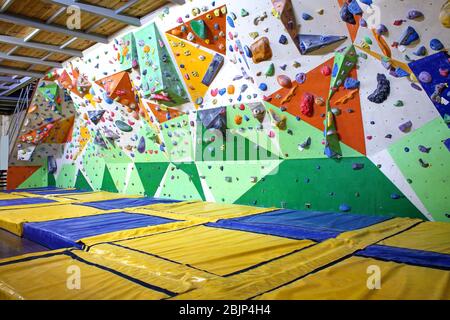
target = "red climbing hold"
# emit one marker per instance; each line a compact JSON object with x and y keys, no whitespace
{"x":307,"y":104}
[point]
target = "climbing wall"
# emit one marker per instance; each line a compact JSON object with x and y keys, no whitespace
{"x":325,"y":105}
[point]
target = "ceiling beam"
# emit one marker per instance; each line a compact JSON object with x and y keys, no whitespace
{"x":41,"y":46}
{"x":99,"y":11}
{"x":21,"y":72}
{"x":28,"y":22}
{"x":30,"y":60}
{"x":9,"y":80}
{"x":6,"y":5}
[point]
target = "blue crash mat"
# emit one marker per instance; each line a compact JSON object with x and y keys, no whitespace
{"x":125,"y":203}
{"x":65,"y":233}
{"x":408,"y":256}
{"x":24,"y":201}
{"x":57,"y":191}
{"x":317,"y":226}
{"x":30,"y":190}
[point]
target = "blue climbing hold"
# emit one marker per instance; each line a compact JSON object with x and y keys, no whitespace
{"x":306,"y":16}
{"x":399,"y":72}
{"x":408,"y":36}
{"x":344,"y":208}
{"x":230,"y":21}
{"x":421,"y":51}
{"x":351,"y":83}
{"x":354,"y":8}
{"x":248,"y":52}
{"x":107,"y":98}
{"x":263,"y":87}
{"x":367,"y":2}
{"x":283,"y":39}
{"x":436,"y":45}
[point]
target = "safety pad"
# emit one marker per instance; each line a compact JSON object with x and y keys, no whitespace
{"x":138,"y":232}
{"x":408,"y":256}
{"x":24,"y":202}
{"x":280,"y":272}
{"x":125,"y":203}
{"x":427,"y":236}
{"x":10,"y":196}
{"x":349,"y":280}
{"x":217,"y":251}
{"x":13,"y":220}
{"x":208,"y":211}
{"x":94,"y":196}
{"x":317,"y":226}
{"x":55,"y":276}
{"x":65,"y":233}
{"x":163,"y":273}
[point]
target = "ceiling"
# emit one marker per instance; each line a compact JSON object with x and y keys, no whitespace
{"x":34,"y":37}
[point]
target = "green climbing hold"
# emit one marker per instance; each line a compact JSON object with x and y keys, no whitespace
{"x":123,"y":126}
{"x":367,"y":40}
{"x":399,"y":103}
{"x":244,"y":12}
{"x":199,"y":28}
{"x":270,"y":70}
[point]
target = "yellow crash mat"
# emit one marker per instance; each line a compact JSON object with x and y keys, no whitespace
{"x":348,"y":280}
{"x":12,"y":220}
{"x":214,"y":250}
{"x":204,"y":210}
{"x":94,"y":196}
{"x":10,"y":196}
{"x":427,"y":236}
{"x":138,"y":232}
{"x":172,"y":276}
{"x":54,"y":276}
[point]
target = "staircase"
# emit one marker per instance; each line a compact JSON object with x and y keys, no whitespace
{"x":3,"y":179}
{"x":8,"y":142}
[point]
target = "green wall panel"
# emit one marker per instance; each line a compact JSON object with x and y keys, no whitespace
{"x":325,"y":184}
{"x":430,"y":182}
{"x":151,"y":175}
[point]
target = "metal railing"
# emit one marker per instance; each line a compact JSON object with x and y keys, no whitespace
{"x":20,"y":112}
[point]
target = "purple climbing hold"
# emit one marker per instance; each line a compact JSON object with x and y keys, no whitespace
{"x":346,"y":15}
{"x":363,"y":23}
{"x":300,"y":78}
{"x":381,"y":29}
{"x":395,"y":196}
{"x":405,"y":127}
{"x":141,"y":145}
{"x":415,"y":86}
{"x":414,"y":14}
{"x":425,"y":77}
{"x":383,"y":90}
{"x":357,"y":166}
{"x":424,"y":149}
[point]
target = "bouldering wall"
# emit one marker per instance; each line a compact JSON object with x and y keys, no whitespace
{"x":325,"y":105}
{"x":46,"y":129}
